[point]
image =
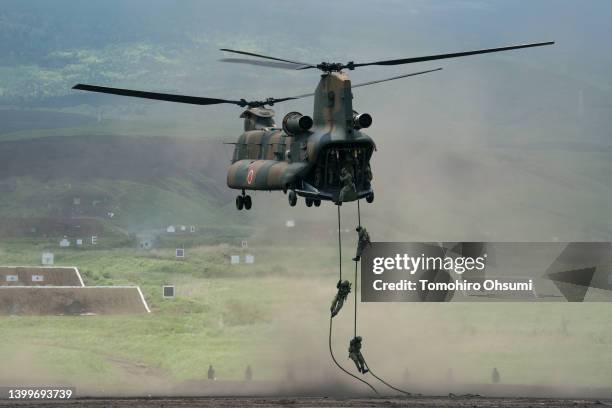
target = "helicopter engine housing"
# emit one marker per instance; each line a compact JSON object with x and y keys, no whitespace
{"x":295,"y":123}
{"x":362,"y":120}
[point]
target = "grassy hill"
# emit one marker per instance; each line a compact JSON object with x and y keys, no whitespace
{"x":134,"y":183}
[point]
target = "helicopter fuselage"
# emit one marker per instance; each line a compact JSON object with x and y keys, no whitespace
{"x":327,"y":161}
{"x":311,"y":164}
{"x":330,"y":161}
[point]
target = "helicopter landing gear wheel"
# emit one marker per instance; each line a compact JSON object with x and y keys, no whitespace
{"x":317,"y":203}
{"x":370,"y":197}
{"x":309,"y":202}
{"x":239,"y":202}
{"x":292,"y":197}
{"x":247,"y":202}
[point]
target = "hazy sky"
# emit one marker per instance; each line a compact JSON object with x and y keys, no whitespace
{"x":133,"y":42}
{"x":522,"y":128}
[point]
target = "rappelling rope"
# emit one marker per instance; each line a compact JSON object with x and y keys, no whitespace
{"x":339,"y":245}
{"x":331,"y":319}
{"x":386,"y":383}
{"x":331,"y":353}
{"x":359,"y":224}
{"x":355,"y":323}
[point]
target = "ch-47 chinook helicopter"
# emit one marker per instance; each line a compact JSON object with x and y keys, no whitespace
{"x":323,"y":157}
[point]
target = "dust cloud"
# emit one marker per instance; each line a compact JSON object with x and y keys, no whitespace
{"x":495,"y":149}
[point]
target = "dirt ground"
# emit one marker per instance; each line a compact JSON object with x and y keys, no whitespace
{"x":263,"y":402}
{"x":263,"y":394}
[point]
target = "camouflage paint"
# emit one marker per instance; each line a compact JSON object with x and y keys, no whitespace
{"x":270,"y":159}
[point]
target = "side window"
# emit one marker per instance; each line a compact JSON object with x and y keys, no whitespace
{"x":38,"y":278}
{"x":12,"y":278}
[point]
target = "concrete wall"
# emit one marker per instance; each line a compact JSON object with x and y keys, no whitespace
{"x":63,"y":300}
{"x":52,"y":276}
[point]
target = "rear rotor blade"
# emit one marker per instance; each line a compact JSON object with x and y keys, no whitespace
{"x":452,"y":55}
{"x":252,"y":54}
{"x":194,"y":100}
{"x":274,"y":100}
{"x":396,"y":77}
{"x":377,"y":81}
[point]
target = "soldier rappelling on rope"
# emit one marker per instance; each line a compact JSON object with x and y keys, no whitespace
{"x":347,"y":178}
{"x":356,"y":356}
{"x":364,"y":241}
{"x":344,"y":288}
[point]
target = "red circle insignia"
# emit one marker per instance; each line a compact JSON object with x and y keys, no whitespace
{"x":250,"y":175}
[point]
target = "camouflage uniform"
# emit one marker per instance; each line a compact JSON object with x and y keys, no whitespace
{"x":368,"y":176}
{"x":344,"y":288}
{"x":346,"y":178}
{"x":211,"y":373}
{"x":495,"y":376}
{"x":364,"y":240}
{"x":356,"y":356}
{"x":330,"y":168}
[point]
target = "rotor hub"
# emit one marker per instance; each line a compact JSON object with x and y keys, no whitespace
{"x":335,"y":66}
{"x":257,"y":104}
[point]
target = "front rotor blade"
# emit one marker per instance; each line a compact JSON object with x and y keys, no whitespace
{"x":252,"y":54}
{"x":283,"y":65}
{"x":194,"y":100}
{"x":453,"y":55}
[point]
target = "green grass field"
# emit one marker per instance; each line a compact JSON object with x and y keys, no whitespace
{"x":274,"y":313}
{"x":222,"y":313}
